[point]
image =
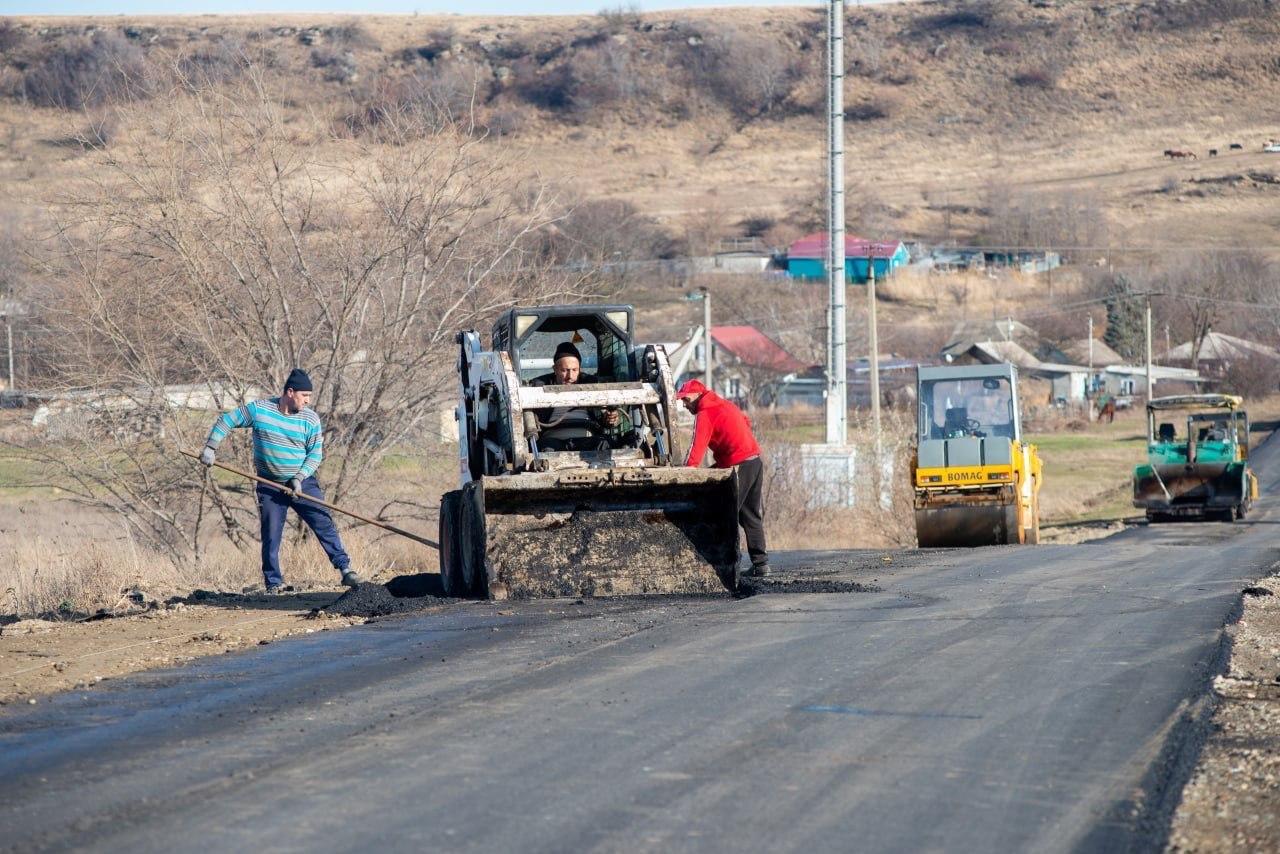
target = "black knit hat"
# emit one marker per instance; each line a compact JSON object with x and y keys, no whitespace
{"x":566,"y":348}
{"x":298,"y":380}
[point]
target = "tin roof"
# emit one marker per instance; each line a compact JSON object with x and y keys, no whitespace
{"x":815,"y":246}
{"x":752,"y":347}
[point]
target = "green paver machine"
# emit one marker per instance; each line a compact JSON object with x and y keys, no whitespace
{"x":1197,"y":459}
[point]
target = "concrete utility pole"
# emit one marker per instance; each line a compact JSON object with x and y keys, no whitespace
{"x":873,"y":355}
{"x":837,"y":346}
{"x":1091,"y":344}
{"x":706,"y":337}
{"x":8,"y":334}
{"x":1150,"y":382}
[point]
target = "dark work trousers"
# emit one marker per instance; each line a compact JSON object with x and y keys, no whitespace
{"x":751,"y":508}
{"x":273,"y":506}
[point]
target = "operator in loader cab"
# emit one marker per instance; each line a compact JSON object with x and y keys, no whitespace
{"x":723,"y":428}
{"x":288,"y":445}
{"x":579,"y":429}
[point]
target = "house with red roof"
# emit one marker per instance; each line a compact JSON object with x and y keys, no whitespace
{"x":743,"y":360}
{"x":807,"y":257}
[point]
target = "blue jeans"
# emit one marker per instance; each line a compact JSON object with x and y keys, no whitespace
{"x":273,"y":506}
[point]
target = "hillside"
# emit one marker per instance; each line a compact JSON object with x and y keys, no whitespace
{"x":706,"y":119}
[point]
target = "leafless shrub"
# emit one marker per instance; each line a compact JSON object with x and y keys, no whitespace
{"x":963,"y":15}
{"x":1170,"y":184}
{"x":1198,"y":282}
{"x":78,"y":73}
{"x":351,"y":35}
{"x":873,"y":108}
{"x":619,"y":18}
{"x":549,"y":88}
{"x":608,"y":235}
{"x":1252,"y":378}
{"x":757,"y":225}
{"x":1042,"y":76}
{"x":100,"y":131}
{"x":605,"y":75}
{"x":750,"y":75}
{"x":442,"y":95}
{"x":213,"y":65}
{"x":212,"y":250}
{"x":436,"y":43}
{"x":1068,"y":221}
{"x":506,"y":120}
{"x":12,"y":36}
{"x":339,"y":66}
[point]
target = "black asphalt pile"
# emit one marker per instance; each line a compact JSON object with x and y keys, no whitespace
{"x":401,"y":595}
{"x":761,"y":586}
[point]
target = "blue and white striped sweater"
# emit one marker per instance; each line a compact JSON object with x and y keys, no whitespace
{"x":284,"y":446}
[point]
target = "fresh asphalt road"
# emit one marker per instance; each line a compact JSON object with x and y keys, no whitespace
{"x":1040,"y":698}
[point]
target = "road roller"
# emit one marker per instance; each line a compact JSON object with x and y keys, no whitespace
{"x":976,"y":482}
{"x":1197,"y":459}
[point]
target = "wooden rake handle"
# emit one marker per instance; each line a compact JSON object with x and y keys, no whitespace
{"x":383,"y":525}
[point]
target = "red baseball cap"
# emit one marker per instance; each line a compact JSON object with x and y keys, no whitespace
{"x":691,"y":388}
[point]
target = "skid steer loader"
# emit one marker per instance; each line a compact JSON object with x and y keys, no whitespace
{"x":976,"y":482}
{"x":553,"y":501}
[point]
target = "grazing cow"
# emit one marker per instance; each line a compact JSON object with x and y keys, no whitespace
{"x":1235,"y":146}
{"x":1179,"y":154}
{"x":1213,"y":152}
{"x":1168,"y":152}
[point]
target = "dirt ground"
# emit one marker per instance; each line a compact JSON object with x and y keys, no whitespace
{"x":1233,"y":800}
{"x":39,"y":657}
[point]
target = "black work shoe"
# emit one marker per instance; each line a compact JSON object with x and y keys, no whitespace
{"x":351,"y":578}
{"x":759,"y":570}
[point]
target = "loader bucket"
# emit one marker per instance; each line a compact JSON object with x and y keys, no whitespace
{"x":604,"y":532}
{"x":1189,"y":488}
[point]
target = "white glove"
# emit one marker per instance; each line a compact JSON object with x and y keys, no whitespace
{"x":208,"y":455}
{"x":295,"y":484}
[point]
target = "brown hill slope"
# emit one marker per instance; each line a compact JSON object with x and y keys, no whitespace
{"x":957,"y":111}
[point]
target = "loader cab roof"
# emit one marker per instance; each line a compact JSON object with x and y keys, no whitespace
{"x":602,"y":334}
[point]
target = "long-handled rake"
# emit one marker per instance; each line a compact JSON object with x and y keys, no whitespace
{"x":377,"y":524}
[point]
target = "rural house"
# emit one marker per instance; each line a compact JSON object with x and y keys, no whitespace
{"x":807,"y":257}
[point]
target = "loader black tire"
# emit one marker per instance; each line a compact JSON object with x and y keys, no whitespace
{"x":451,"y":578}
{"x":472,"y":541}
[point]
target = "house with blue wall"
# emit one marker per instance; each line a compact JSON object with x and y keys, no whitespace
{"x":807,"y":257}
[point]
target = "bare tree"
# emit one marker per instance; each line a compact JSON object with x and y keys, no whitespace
{"x":221,"y":244}
{"x":1203,"y":285}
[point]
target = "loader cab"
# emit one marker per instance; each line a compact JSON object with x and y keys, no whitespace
{"x":602,"y":334}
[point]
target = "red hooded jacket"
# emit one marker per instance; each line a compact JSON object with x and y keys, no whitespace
{"x":724,"y":429}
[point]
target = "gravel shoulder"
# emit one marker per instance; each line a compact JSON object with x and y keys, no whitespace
{"x":1232,"y":802}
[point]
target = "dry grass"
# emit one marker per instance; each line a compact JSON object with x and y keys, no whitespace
{"x":70,"y":575}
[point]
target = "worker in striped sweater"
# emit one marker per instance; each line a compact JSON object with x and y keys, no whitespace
{"x":288,"y":445}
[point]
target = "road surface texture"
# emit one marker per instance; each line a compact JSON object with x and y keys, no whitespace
{"x":1040,"y":698}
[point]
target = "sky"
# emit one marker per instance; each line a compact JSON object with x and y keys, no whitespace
{"x":374,"y":7}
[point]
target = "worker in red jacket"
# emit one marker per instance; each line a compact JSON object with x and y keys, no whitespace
{"x":723,"y":428}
